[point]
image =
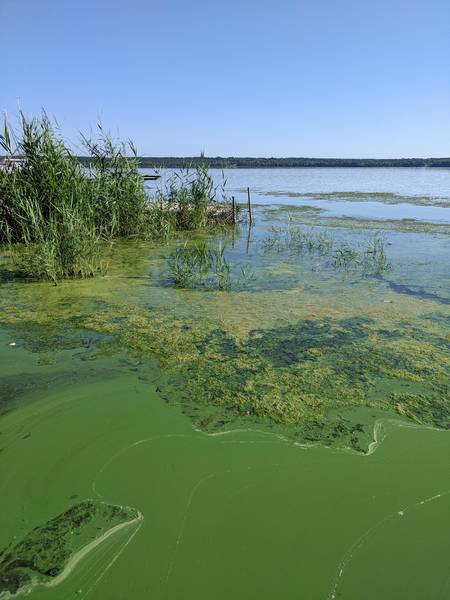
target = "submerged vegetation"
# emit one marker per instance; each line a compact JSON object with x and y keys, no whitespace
{"x":200,"y":266}
{"x":370,"y":259}
{"x":204,"y":266}
{"x":351,"y":196}
{"x":56,"y":215}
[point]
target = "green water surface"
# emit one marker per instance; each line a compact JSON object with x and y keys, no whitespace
{"x":282,"y":439}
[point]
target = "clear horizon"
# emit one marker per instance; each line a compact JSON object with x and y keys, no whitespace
{"x":250,"y":79}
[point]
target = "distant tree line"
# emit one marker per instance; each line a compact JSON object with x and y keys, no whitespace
{"x":241,"y":162}
{"x":233,"y":162}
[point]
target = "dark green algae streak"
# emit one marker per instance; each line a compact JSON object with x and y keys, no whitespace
{"x":310,"y":355}
{"x":42,"y":554}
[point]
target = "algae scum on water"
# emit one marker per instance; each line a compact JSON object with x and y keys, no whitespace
{"x":296,"y":327}
{"x":333,"y":335}
{"x":293,"y":376}
{"x":42,"y":555}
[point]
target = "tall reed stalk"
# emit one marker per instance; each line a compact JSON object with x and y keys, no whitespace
{"x":55,"y":213}
{"x":193,"y":195}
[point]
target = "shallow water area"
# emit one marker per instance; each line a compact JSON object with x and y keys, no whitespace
{"x":280,"y":432}
{"x":374,"y":210}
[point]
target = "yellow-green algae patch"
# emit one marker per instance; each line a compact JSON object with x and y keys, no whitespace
{"x":301,"y":355}
{"x":297,"y":376}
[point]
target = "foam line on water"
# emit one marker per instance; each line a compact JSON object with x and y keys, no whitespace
{"x":125,"y":449}
{"x":359,"y":543}
{"x":183,"y":524}
{"x":78,"y":556}
{"x":115,"y":557}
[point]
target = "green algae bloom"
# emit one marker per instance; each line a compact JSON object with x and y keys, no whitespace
{"x":291,"y":422}
{"x":44,"y":552}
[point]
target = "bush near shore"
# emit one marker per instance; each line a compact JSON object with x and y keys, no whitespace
{"x":56,"y":214}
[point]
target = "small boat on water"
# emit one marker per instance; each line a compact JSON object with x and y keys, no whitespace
{"x":151,"y":177}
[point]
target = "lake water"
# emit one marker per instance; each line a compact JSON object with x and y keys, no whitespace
{"x":279,"y":423}
{"x":385,"y":193}
{"x":413,"y":182}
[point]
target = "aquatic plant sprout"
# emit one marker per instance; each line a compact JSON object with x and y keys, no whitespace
{"x":203,"y":266}
{"x":374,"y":259}
{"x":370,"y":259}
{"x":200,"y":266}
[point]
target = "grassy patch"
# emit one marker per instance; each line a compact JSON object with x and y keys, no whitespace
{"x":53,"y":213}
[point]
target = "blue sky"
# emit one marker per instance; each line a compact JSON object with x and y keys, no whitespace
{"x":340,"y":78}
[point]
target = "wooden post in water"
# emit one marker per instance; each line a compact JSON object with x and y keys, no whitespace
{"x":249,"y":207}
{"x":233,"y":205}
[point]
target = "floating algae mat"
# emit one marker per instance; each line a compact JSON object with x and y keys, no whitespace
{"x":43,"y":555}
{"x":284,"y":435}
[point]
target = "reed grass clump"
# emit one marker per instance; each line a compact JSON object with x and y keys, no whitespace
{"x":56,"y":214}
{"x":297,"y":241}
{"x":196,"y":201}
{"x":201,"y":267}
{"x":117,"y":194}
{"x":374,"y":260}
{"x":45,"y":212}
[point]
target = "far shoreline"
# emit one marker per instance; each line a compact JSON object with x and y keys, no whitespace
{"x":219,"y":162}
{"x":248,"y":162}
